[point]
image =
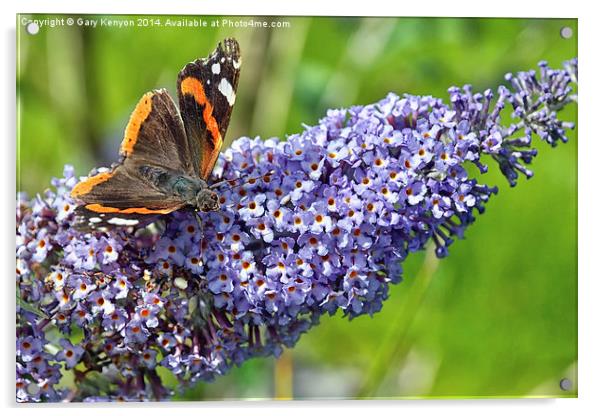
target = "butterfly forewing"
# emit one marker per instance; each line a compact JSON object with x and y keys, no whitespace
{"x":119,"y":197}
{"x":207,"y":91}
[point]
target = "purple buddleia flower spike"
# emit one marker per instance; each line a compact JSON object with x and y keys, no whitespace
{"x":336,"y":210}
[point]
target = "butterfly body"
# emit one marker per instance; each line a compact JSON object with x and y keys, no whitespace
{"x":190,"y":189}
{"x":167,"y":155}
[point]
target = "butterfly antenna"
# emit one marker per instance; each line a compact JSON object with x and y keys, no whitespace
{"x":220,"y":183}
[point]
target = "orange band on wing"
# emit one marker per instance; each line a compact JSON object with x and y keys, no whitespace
{"x":139,"y":115}
{"x":194,"y":87}
{"x":86,"y":185}
{"x":111,"y":210}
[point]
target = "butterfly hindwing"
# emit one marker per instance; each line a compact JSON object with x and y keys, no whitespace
{"x":207,"y":91}
{"x":155,"y":134}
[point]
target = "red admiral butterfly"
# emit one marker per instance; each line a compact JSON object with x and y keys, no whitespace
{"x":167,"y":156}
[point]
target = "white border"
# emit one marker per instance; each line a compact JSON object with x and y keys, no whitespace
{"x":589,"y":185}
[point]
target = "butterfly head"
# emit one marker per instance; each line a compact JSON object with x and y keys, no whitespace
{"x":207,"y":200}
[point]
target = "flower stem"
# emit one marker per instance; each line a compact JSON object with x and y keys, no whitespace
{"x":394,"y":347}
{"x":283,"y":376}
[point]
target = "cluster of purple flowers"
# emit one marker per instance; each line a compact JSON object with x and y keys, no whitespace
{"x":323,"y":225}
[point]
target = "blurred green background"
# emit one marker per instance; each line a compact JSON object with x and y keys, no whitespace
{"x":498,"y":318}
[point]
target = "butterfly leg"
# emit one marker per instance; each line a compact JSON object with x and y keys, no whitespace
{"x":197,"y":216}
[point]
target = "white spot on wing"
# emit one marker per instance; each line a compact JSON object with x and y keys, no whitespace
{"x":226,"y":89}
{"x":215,"y":68}
{"x":223,"y":60}
{"x":236,"y":64}
{"x":122,"y":221}
{"x":95,"y":220}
